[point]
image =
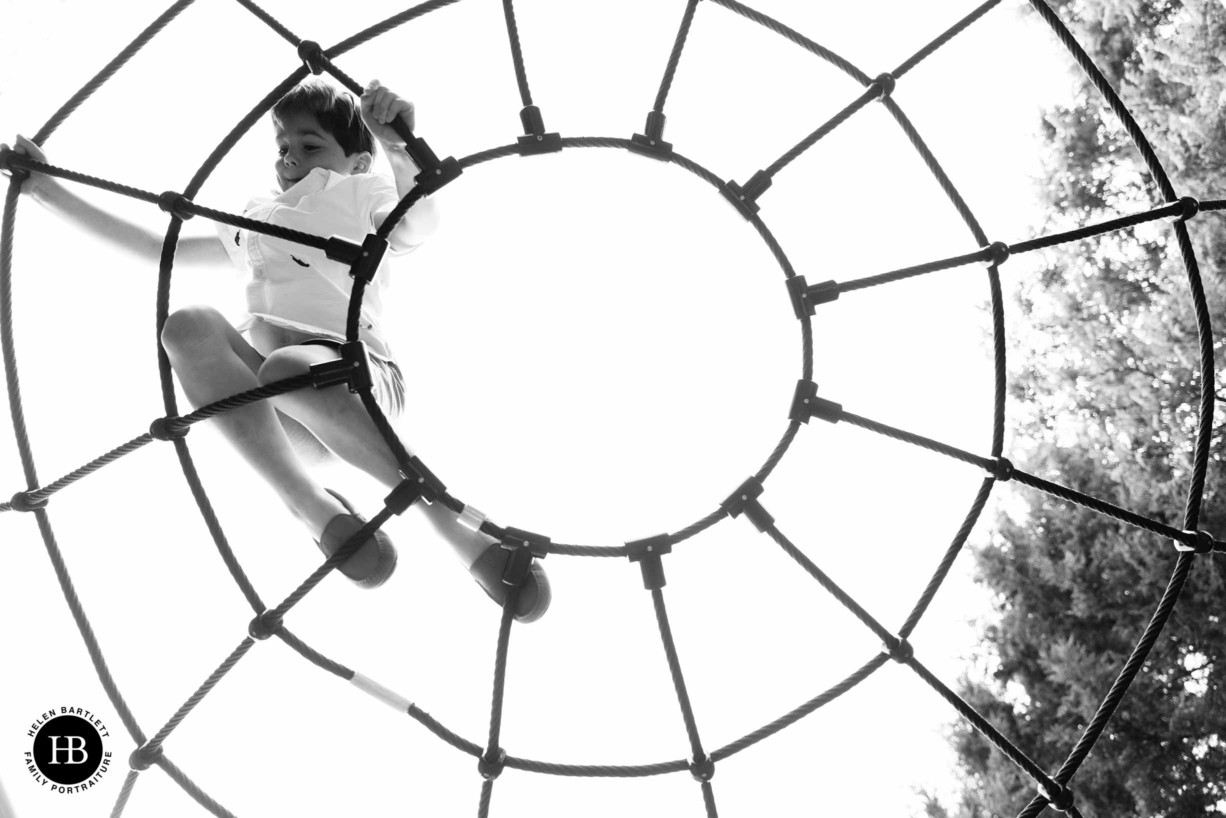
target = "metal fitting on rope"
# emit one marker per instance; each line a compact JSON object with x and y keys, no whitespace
{"x":312,"y":56}
{"x":341,"y":250}
{"x":440,"y":173}
{"x":353,"y":368}
{"x":702,"y":769}
{"x":805,"y":298}
{"x":885,"y":86}
{"x":20,"y":174}
{"x":21,"y":502}
{"x":901,"y":651}
{"x":647,"y":554}
{"x":994,"y":254}
{"x":798,"y":292}
{"x":1000,"y":468}
{"x":176,"y":204}
{"x":806,"y":404}
{"x":745,"y":499}
{"x":1188,"y":208}
{"x":745,"y":198}
{"x":168,"y":429}
{"x":472,"y":518}
{"x":369,"y":258}
{"x":491,"y":768}
{"x":1200,"y":542}
{"x":419,"y":482}
{"x":1061,"y":799}
{"x":535,"y":140}
{"x":651,"y":141}
{"x":143,"y":758}
{"x":524,"y":546}
{"x":822,"y":293}
{"x":263,"y":626}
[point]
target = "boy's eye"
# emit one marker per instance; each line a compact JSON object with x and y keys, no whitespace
{"x":281,"y":149}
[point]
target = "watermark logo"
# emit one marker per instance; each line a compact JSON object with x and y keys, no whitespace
{"x":68,"y":754}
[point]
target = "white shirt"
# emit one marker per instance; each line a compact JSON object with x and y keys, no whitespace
{"x":298,"y":287}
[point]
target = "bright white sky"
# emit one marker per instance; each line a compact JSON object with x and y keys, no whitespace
{"x":597,"y":347}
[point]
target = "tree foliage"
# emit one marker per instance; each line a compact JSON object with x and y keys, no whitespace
{"x":1105,"y":370}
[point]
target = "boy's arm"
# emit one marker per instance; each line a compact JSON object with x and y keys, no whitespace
{"x":194,"y":251}
{"x":379,"y":107}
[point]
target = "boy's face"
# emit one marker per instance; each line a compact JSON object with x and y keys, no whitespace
{"x":303,"y":145}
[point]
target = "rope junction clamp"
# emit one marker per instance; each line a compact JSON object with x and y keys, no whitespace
{"x":1202,"y":543}
{"x":433,"y":173}
{"x":805,"y":298}
{"x":651,"y":141}
{"x":1001,"y":468}
{"x":161,"y":429}
{"x":491,"y":768}
{"x":995,"y":254}
{"x":6,"y":165}
{"x":312,"y":56}
{"x":418,"y":482}
{"x":1061,"y":799}
{"x":142,"y":758}
{"x":745,"y":499}
{"x":353,"y":368}
{"x":1188,"y":208}
{"x":647,"y":554}
{"x":535,"y":139}
{"x":702,"y":769}
{"x":745,"y":198}
{"x":369,"y":258}
{"x":260,"y":628}
{"x":524,"y":546}
{"x":176,"y":204}
{"x":884,"y":83}
{"x":21,"y":502}
{"x":901,"y":651}
{"x":806,"y":404}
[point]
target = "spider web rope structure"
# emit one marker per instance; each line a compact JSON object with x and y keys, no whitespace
{"x":420,"y":485}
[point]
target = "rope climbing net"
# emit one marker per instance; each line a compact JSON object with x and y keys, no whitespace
{"x":421,"y":485}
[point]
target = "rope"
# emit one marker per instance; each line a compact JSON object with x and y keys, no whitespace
{"x":517,"y":54}
{"x":181,"y":206}
{"x":674,"y":58}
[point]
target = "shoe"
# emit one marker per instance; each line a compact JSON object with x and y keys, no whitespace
{"x":373,"y":562}
{"x":534,"y":594}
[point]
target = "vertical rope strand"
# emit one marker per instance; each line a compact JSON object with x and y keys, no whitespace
{"x":517,"y":53}
{"x":674,"y":668}
{"x":674,"y":58}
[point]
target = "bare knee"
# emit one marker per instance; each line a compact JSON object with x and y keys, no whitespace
{"x":192,"y":327}
{"x":289,"y":362}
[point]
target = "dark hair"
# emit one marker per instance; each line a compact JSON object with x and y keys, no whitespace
{"x":336,"y":109}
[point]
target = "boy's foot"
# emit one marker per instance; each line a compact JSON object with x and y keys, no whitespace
{"x":373,"y":562}
{"x":534,"y":594}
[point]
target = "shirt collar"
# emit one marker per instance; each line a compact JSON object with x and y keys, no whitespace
{"x":319,"y":179}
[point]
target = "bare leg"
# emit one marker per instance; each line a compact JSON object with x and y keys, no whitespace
{"x":338,"y":418}
{"x":213,"y":361}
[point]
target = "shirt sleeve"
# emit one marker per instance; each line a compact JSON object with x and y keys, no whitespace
{"x":379,"y":195}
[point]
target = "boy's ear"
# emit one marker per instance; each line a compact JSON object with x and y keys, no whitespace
{"x":363,"y":162}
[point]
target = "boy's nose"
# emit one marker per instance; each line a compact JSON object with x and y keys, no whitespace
{"x":290,"y":161}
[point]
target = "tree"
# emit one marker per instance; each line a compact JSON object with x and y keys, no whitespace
{"x":1106,"y":372}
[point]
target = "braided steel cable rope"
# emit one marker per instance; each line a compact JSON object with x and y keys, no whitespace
{"x":1054,"y":790}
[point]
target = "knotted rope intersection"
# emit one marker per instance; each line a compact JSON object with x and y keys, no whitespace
{"x":420,"y":485}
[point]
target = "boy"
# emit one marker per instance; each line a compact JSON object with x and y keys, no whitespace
{"x":297,"y":300}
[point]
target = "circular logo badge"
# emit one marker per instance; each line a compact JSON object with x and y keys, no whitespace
{"x":68,"y":753}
